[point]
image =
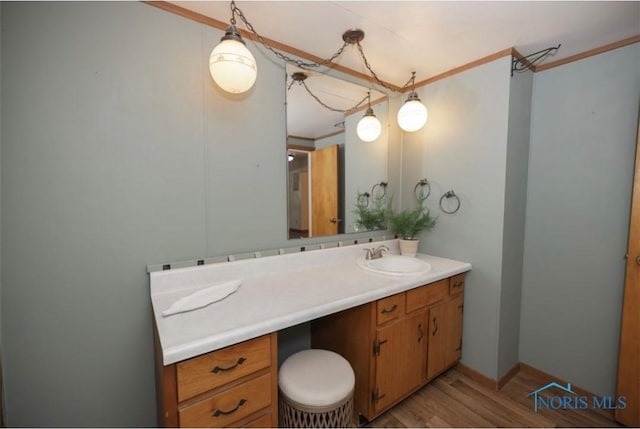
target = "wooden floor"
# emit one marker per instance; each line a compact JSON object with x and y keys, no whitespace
{"x":455,"y":400}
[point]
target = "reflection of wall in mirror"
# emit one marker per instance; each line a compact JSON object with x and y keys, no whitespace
{"x":366,"y":163}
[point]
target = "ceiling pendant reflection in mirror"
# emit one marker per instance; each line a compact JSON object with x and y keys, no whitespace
{"x":369,"y":127}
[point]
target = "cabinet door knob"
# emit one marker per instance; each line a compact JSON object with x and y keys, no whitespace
{"x":420,"y":332}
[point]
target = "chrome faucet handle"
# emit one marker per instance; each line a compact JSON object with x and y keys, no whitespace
{"x":381,"y":248}
{"x":377,"y":252}
{"x":369,"y":254}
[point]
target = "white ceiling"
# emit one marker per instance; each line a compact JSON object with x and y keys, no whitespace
{"x":431,"y":37}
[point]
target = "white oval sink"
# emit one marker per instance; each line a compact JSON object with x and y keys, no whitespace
{"x":395,"y":265}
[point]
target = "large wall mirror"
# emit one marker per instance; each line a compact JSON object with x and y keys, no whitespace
{"x":331,"y":173}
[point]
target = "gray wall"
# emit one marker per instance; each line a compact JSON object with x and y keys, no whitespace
{"x":119,"y":152}
{"x":1,"y":389}
{"x":464,"y":147}
{"x":102,"y":173}
{"x":514,"y":219}
{"x":583,"y":133}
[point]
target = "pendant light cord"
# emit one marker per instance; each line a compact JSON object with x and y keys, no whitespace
{"x":411,"y":80}
{"x":357,"y":105}
{"x":235,"y":10}
{"x":301,"y":77}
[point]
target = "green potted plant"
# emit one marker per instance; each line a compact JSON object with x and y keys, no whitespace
{"x":370,"y":218}
{"x":408,"y":224}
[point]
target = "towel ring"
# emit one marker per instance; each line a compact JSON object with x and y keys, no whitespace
{"x":449,"y":194}
{"x":363,"y":199}
{"x":382,"y":185}
{"x":422,"y":183}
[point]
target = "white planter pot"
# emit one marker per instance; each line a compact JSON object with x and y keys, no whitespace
{"x":408,"y":247}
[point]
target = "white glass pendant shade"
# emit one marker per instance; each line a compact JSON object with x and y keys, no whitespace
{"x":369,"y":127}
{"x":413,"y":114}
{"x":232,"y":66}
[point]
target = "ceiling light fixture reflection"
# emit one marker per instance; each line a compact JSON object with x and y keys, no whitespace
{"x":369,"y":127}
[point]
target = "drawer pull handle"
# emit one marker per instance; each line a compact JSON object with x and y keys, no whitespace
{"x":420,"y":332}
{"x":219,"y":412}
{"x":457,"y":285}
{"x":390,"y":309}
{"x":435,"y":327}
{"x":217,"y":369}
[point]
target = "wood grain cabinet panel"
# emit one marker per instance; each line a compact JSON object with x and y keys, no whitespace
{"x":453,"y":325}
{"x":395,"y":353}
{"x":456,"y":284}
{"x":398,"y":360}
{"x":390,"y":308}
{"x":263,"y":421}
{"x":222,"y":409}
{"x":236,"y":386}
{"x":445,"y":331}
{"x":217,"y":368}
{"x":425,"y":296}
{"x":436,"y":341}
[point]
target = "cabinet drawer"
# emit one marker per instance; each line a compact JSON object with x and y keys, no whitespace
{"x":427,"y":295}
{"x":264,"y":421}
{"x":228,"y":406}
{"x":456,"y":284}
{"x":214,"y":369}
{"x":389,"y":308}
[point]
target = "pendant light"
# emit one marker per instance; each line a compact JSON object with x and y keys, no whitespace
{"x":413,"y":114}
{"x":231,"y":64}
{"x":369,"y":127}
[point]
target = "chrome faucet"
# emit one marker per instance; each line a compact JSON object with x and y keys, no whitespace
{"x":375,"y":253}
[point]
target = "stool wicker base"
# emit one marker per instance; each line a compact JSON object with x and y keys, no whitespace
{"x":316,"y":390}
{"x":294,"y":415}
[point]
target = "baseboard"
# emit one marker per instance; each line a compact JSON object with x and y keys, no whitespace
{"x":488,"y":382}
{"x":548,"y":378}
{"x":515,"y":369}
{"x":476,"y":376}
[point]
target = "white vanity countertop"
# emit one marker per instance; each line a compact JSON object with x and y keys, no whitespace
{"x":276,"y":292}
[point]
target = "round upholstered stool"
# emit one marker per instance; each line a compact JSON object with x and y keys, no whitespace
{"x":316,"y":390}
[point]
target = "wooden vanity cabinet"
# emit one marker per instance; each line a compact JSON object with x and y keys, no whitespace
{"x":399,"y":355}
{"x":232,"y":387}
{"x":397,"y":344}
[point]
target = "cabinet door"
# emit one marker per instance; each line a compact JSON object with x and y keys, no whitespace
{"x":399,"y":363}
{"x":436,"y":340}
{"x":453,"y":330}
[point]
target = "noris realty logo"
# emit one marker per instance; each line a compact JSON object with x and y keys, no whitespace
{"x":568,"y":399}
